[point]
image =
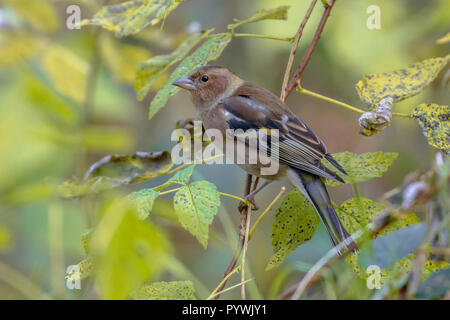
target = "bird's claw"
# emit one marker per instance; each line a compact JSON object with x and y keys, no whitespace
{"x":251,"y":199}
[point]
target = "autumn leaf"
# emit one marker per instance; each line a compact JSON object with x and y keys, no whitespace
{"x":435,"y":122}
{"x":295,"y":223}
{"x":130,"y":17}
{"x":399,"y":84}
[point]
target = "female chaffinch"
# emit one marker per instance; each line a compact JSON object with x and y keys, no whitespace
{"x":224,"y":101}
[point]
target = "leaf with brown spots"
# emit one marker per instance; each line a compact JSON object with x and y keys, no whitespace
{"x":361,"y":167}
{"x":435,"y":122}
{"x":399,"y":84}
{"x":174,"y":290}
{"x":295,"y":223}
{"x":196,"y":205}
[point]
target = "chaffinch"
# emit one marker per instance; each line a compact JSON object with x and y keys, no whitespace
{"x":224,"y":101}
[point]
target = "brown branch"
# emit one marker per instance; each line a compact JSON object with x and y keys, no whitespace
{"x":242,"y":227}
{"x":296,"y":40}
{"x":301,"y":68}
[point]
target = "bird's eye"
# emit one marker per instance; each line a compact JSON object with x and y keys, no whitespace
{"x":205,"y":78}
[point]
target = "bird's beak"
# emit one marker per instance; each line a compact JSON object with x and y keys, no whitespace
{"x":184,"y":83}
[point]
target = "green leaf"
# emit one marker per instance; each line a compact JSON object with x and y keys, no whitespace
{"x":208,"y":51}
{"x":58,"y":63}
{"x":279,"y":13}
{"x":127,"y":251}
{"x":130,"y":17}
{"x":183,"y":176}
{"x":385,"y":250}
{"x":115,"y":170}
{"x":399,"y":84}
{"x":151,"y":69}
{"x":295,"y":223}
{"x":174,"y":290}
{"x":356,"y":213}
{"x":49,"y":103}
{"x":435,"y":122}
{"x":82,"y":270}
{"x":123,"y":59}
{"x":143,"y":200}
{"x":435,"y":286}
{"x":196,"y":205}
{"x":361,"y":167}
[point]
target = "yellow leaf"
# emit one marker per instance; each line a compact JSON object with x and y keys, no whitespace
{"x":66,"y":71}
{"x":39,"y":13}
{"x":174,"y":290}
{"x":435,"y":122}
{"x":126,"y":251}
{"x":16,"y":46}
{"x":399,"y":84}
{"x":444,"y":39}
{"x":130,"y":17}
{"x":122,"y":59}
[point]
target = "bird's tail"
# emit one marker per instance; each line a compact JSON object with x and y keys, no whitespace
{"x":314,"y":189}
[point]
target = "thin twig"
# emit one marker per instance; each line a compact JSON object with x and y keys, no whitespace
{"x":224,"y":280}
{"x":232,"y":287}
{"x":244,"y":251}
{"x":319,"y":265}
{"x":263,"y":36}
{"x":297,"y":37}
{"x":267,"y":210}
{"x":246,"y":231}
{"x":298,"y":74}
{"x":232,"y":264}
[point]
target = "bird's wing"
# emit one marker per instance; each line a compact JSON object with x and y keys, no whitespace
{"x":299,"y":147}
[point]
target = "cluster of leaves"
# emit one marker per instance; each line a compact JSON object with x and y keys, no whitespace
{"x":134,"y":261}
{"x":399,"y":85}
{"x":295,"y":222}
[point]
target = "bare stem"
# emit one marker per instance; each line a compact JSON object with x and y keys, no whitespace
{"x":304,"y":62}
{"x":224,"y":280}
{"x":263,"y":36}
{"x":267,"y":210}
{"x":235,"y":197}
{"x":297,"y":37}
{"x":330,"y":100}
{"x":244,"y":251}
{"x":232,"y":264}
{"x":340,"y":103}
{"x":231,"y":288}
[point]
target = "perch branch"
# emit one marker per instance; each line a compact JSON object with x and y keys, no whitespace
{"x":297,"y":37}
{"x":304,"y":62}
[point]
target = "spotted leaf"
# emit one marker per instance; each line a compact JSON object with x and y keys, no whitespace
{"x":174,"y":290}
{"x":196,"y":205}
{"x":130,"y":17}
{"x":295,"y":223}
{"x":399,"y":84}
{"x":361,"y":167}
{"x":435,"y":122}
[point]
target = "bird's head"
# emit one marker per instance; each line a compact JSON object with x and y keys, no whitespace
{"x":208,"y":83}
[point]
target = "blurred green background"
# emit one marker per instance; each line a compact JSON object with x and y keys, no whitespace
{"x":67,"y":99}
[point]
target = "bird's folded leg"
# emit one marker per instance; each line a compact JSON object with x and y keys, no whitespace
{"x":251,"y":196}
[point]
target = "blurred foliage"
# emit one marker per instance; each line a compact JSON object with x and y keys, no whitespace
{"x":71,"y":97}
